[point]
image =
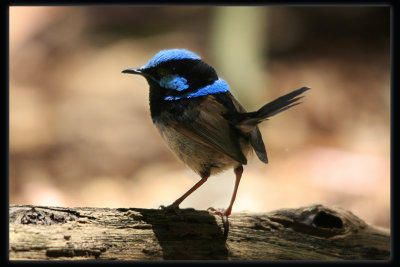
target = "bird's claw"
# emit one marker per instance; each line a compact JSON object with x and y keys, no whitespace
{"x":219,"y":212}
{"x":172,"y":208}
{"x":224,"y":216}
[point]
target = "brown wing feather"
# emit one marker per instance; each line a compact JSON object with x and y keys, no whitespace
{"x":211,"y":129}
{"x":255,"y":135}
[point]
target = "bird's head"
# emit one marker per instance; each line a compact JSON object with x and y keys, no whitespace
{"x":179,"y":73}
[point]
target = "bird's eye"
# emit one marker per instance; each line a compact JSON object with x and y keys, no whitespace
{"x":162,"y":72}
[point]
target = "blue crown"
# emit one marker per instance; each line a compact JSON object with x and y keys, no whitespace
{"x":170,"y":54}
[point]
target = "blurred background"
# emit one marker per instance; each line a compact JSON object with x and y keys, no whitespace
{"x":81,"y":132}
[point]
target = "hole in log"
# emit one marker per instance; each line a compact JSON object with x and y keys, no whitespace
{"x":326,"y":220}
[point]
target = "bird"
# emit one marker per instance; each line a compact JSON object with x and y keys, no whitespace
{"x":201,"y":121}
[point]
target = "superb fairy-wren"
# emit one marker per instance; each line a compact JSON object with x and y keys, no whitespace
{"x":201,"y":121}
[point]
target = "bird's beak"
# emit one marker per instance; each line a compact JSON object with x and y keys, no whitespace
{"x":133,"y":71}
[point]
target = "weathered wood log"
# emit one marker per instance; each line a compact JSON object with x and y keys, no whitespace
{"x":308,"y":233}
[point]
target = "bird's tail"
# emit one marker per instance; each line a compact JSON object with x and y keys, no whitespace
{"x":248,"y":121}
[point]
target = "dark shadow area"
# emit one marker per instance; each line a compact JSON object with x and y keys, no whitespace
{"x":197,"y":236}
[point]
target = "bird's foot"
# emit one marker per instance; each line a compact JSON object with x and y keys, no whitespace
{"x":172,"y":208}
{"x":224,"y":216}
{"x":219,"y":212}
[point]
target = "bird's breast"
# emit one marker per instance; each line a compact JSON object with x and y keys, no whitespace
{"x":202,"y":159}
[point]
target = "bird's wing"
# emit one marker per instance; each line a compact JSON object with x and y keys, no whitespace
{"x":211,"y":129}
{"x":256,"y":140}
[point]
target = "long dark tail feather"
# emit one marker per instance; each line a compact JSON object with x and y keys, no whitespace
{"x":280,"y":104}
{"x":249,"y":120}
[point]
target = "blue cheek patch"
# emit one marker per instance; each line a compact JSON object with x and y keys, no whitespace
{"x":219,"y":86}
{"x":170,"y":54}
{"x":174,"y":82}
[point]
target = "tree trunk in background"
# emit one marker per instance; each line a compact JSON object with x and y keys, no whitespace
{"x":307,"y":233}
{"x":238,"y":42}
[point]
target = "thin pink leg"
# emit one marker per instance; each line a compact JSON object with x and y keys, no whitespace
{"x":225,"y":213}
{"x":238,"y":171}
{"x":175,"y":206}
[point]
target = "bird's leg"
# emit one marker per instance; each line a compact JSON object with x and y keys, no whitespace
{"x":175,"y":206}
{"x":225,"y":213}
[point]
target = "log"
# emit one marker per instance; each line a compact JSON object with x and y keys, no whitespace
{"x":314,"y":232}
